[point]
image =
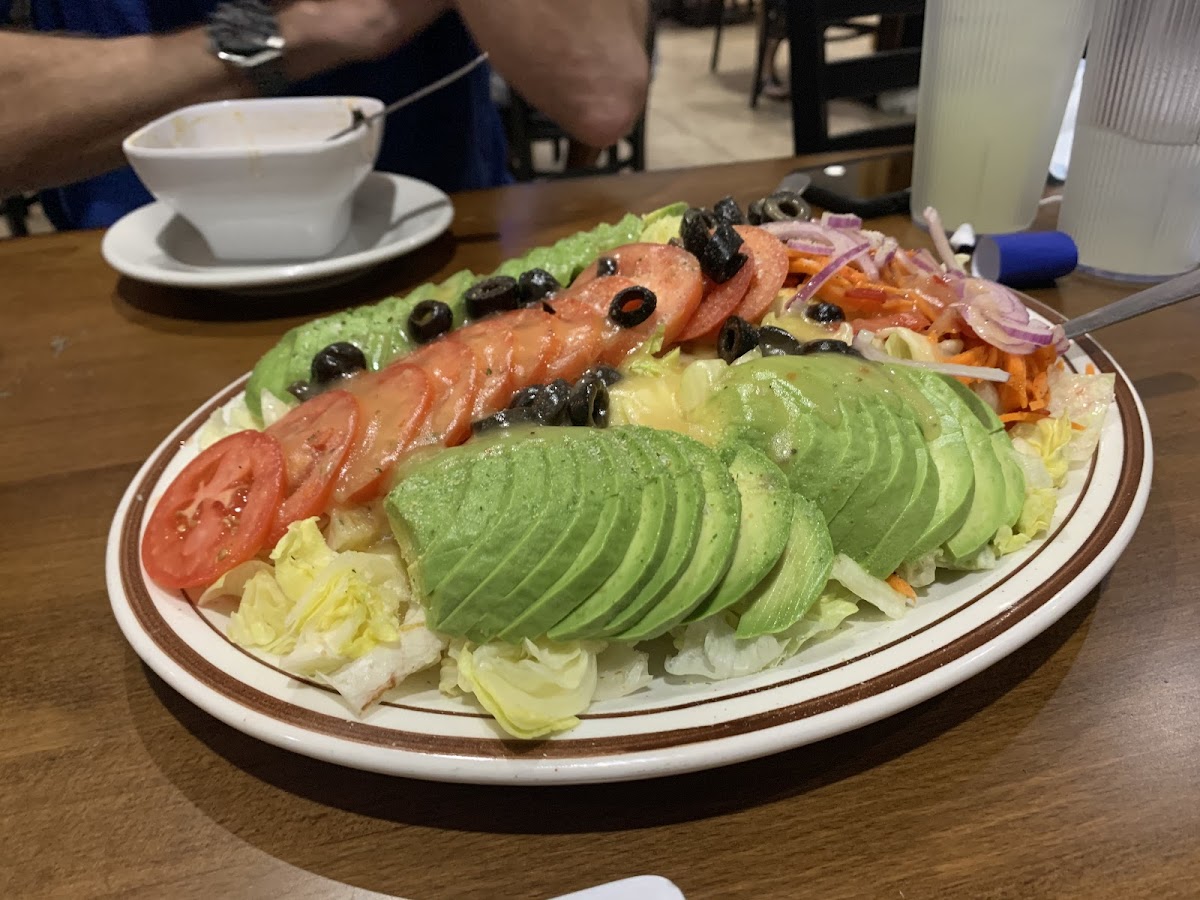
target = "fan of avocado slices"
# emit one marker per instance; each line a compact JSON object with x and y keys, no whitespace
{"x":382,"y":331}
{"x":795,"y":470}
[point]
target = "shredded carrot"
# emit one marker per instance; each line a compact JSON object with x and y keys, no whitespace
{"x":1091,"y":369}
{"x":1078,"y":427}
{"x":899,"y":584}
{"x":976,"y":356}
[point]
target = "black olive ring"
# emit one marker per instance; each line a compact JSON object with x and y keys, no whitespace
{"x":632,"y":306}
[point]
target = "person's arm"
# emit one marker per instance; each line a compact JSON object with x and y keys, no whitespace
{"x":66,"y":103}
{"x":581,"y":62}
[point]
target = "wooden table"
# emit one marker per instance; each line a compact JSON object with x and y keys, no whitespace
{"x":1071,"y":769}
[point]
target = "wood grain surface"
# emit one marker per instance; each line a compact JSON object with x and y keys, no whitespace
{"x":1070,"y":769}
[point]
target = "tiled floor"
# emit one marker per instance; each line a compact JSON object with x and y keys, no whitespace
{"x":696,"y":117}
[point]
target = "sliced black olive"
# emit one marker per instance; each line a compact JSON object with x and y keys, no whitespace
{"x":505,"y":419}
{"x":736,"y":337}
{"x":825,"y":313}
{"x":694,"y":230}
{"x":828,"y":346}
{"x":721,"y":259}
{"x":607,"y":374}
{"x":335,"y":361}
{"x":536,"y":285}
{"x":632,"y":306}
{"x":550,"y":407}
{"x":492,"y":295}
{"x":589,"y":403}
{"x":774,"y":341}
{"x":606,"y":266}
{"x":754,"y":212}
{"x":302,"y":390}
{"x":526,"y":396}
{"x":727,"y":210}
{"x":429,"y":319}
{"x":785,"y":205}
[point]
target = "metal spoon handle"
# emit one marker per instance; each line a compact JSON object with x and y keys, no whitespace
{"x":1182,"y":287}
{"x":421,"y":94}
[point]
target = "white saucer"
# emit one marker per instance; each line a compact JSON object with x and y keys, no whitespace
{"x":393,"y":215}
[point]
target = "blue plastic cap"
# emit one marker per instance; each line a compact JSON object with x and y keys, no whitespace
{"x":1024,"y":258}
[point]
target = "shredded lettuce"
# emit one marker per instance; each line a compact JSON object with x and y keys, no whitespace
{"x":1045,"y":440}
{"x":862,"y":584}
{"x":710,"y":649}
{"x":532,"y":689}
{"x":904,"y":343}
{"x":236,"y":416}
{"x":621,"y":670}
{"x":1084,"y":400}
{"x":366,"y":679}
{"x":347,"y":618}
{"x":661,"y":229}
{"x":920,"y":572}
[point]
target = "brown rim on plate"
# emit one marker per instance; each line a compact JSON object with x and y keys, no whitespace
{"x":210,"y":676}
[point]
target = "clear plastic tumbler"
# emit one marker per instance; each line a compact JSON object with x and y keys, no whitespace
{"x":1132,"y":198}
{"x":995,"y":78}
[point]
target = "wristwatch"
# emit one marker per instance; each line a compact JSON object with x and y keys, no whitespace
{"x":245,"y":34}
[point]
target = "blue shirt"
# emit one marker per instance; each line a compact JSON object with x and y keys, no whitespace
{"x":453,"y":138}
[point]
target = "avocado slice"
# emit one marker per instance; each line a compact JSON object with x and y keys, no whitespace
{"x":951,"y":458}
{"x":647,"y":550}
{"x":440,"y":511}
{"x":1014,"y":477}
{"x":987,"y":510}
{"x":494,"y":602}
{"x":589,"y":547}
{"x":380,"y":330}
{"x":881,"y":438}
{"x":690,"y":498}
{"x":765,"y":516}
{"x":797,"y":579}
{"x":714,"y":547}
{"x":896,"y":543}
{"x":553,"y":493}
{"x":449,"y":563}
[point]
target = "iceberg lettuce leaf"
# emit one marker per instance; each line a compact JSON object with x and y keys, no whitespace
{"x":532,"y":689}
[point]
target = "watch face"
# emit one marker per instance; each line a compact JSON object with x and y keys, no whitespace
{"x":244,"y":28}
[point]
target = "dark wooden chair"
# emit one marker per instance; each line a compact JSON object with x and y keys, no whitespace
{"x":727,"y":12}
{"x":815,"y":81}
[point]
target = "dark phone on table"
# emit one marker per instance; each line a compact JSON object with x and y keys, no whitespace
{"x":869,"y":188}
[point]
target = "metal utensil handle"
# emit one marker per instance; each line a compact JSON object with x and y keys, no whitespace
{"x":414,"y":96}
{"x":1183,"y":287}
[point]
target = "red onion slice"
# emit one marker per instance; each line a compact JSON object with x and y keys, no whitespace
{"x":863,"y":344}
{"x":938,"y":233}
{"x":814,"y":284}
{"x":840,"y":220}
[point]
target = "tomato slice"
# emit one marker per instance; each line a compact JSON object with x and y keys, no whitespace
{"x":720,"y":300}
{"x":615,"y":341}
{"x":316,"y":438}
{"x":492,"y":345}
{"x":217,"y":512}
{"x":579,"y":330}
{"x":671,"y":272}
{"x":395,"y":406}
{"x":455,"y":377}
{"x":535,"y":342}
{"x":770,"y":271}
